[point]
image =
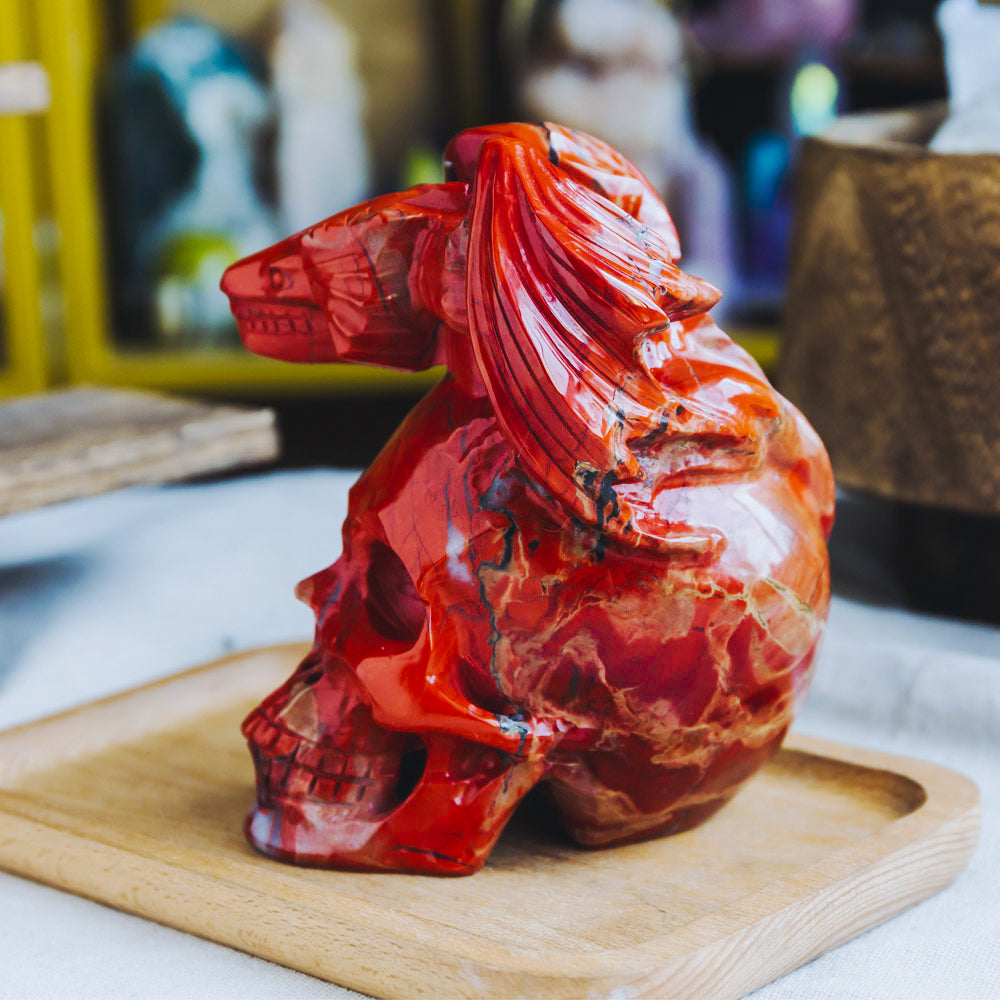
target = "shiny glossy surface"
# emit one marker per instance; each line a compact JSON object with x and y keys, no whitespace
{"x":594,"y":555}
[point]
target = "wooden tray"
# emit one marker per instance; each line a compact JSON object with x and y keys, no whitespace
{"x":137,"y":801}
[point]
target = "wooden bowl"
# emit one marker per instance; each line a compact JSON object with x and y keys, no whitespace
{"x":892,"y":332}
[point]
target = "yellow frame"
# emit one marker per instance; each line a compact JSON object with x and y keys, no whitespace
{"x":71,"y":48}
{"x":25,"y":368}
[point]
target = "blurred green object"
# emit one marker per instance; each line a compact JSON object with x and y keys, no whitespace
{"x":189,"y":305}
{"x":813,"y":98}
{"x":422,"y":166}
{"x":186,"y":255}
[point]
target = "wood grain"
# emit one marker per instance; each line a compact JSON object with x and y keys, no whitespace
{"x":892,"y":337}
{"x":137,"y":801}
{"x":77,"y":442}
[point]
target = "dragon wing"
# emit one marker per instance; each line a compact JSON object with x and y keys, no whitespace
{"x":591,"y":345}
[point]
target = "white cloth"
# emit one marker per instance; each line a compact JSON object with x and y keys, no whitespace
{"x":99,"y":595}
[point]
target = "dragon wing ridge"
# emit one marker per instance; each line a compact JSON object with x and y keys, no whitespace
{"x":589,"y":160}
{"x":595,"y":351}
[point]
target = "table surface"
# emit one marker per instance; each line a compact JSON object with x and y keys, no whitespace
{"x":98,"y":595}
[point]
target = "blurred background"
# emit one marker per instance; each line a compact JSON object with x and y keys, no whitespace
{"x":183,"y":134}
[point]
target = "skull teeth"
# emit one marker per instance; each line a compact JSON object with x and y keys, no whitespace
{"x":285,"y":780}
{"x":273,"y":740}
{"x":269,"y":737}
{"x":292,"y":767}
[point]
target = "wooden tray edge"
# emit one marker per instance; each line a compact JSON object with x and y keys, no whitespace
{"x":720,"y":967}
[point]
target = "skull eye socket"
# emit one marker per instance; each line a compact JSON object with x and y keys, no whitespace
{"x":393,"y":606}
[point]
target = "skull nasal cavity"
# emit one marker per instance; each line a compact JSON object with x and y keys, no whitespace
{"x":393,"y":605}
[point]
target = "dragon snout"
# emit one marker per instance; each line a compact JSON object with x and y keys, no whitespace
{"x":270,"y":296}
{"x":242,"y":279}
{"x":275,"y":273}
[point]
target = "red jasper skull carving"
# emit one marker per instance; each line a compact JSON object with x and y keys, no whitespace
{"x":594,"y":555}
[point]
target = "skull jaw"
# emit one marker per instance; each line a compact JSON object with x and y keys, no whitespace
{"x":447,"y":825}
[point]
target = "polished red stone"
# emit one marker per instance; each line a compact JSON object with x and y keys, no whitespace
{"x":593,"y":556}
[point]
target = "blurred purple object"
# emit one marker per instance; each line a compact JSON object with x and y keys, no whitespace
{"x":756,"y":28}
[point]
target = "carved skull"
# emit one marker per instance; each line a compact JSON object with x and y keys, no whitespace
{"x":594,"y":555}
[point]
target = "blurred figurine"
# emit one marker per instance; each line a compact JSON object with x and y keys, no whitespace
{"x":615,"y":68}
{"x":970,"y":33}
{"x":186,"y":116}
{"x":322,"y":154}
{"x":972,"y":128}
